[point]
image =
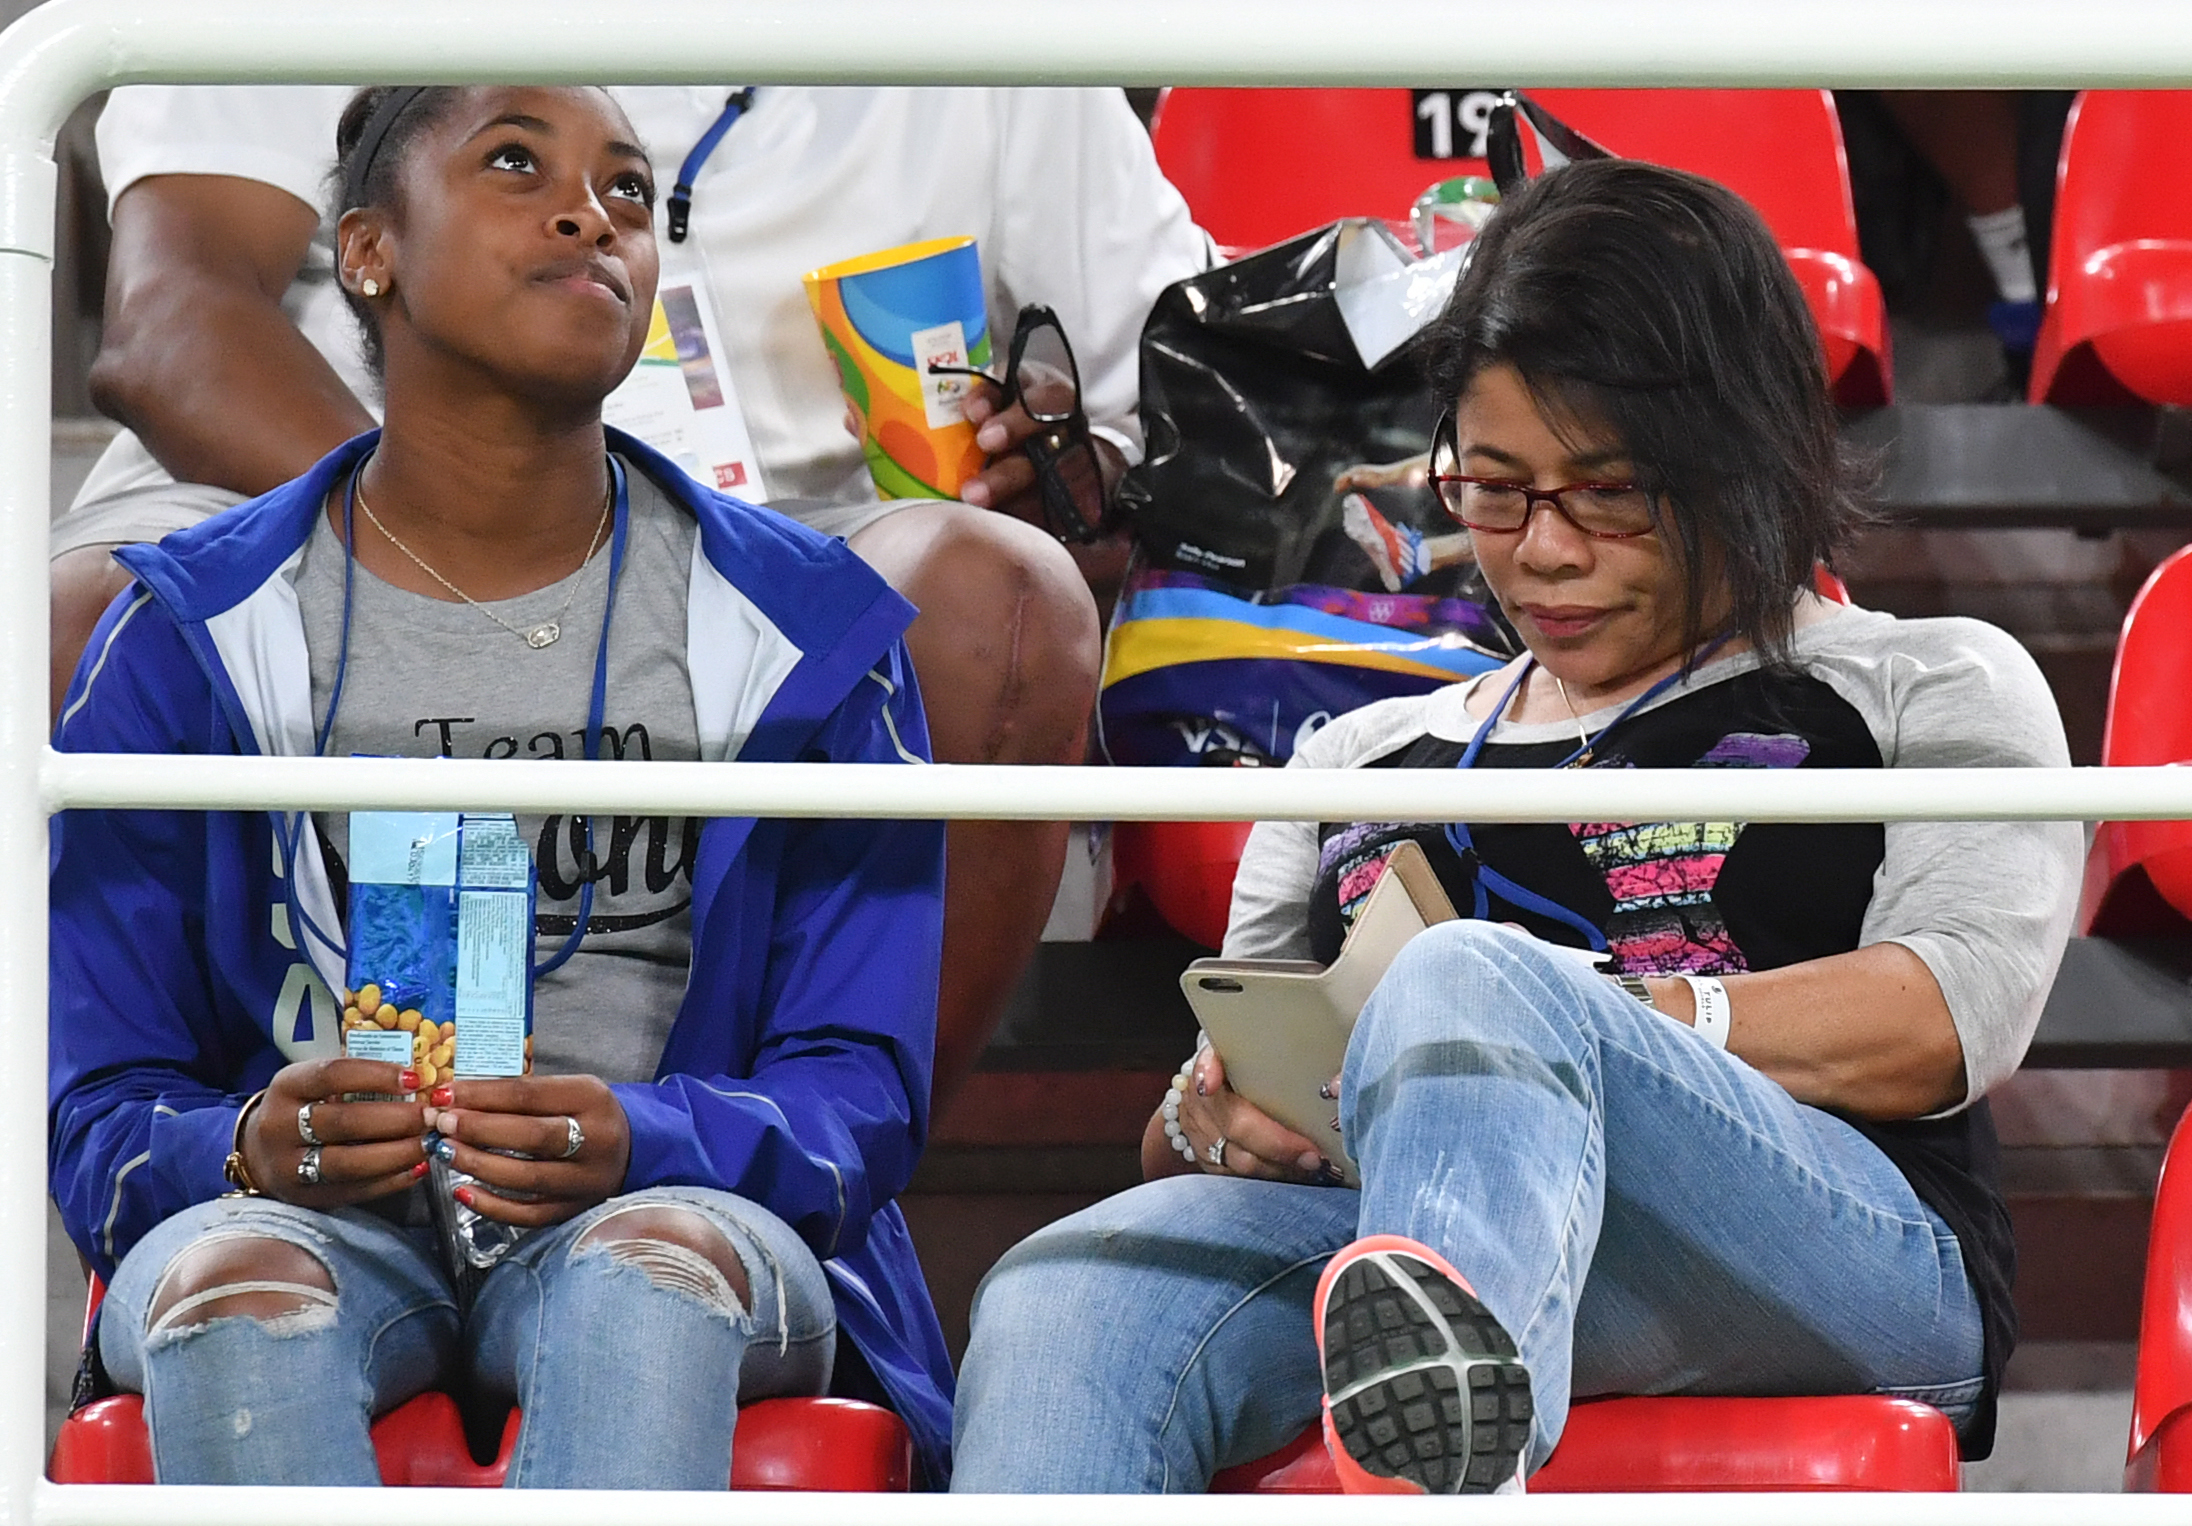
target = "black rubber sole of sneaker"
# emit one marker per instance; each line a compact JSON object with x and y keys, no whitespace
{"x":1405,"y":1413}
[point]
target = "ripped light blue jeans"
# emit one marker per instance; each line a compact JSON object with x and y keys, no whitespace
{"x":629,"y":1364}
{"x":1646,"y":1214}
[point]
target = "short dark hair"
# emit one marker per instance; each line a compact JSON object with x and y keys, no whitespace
{"x":369,"y":168}
{"x":1655,"y":304}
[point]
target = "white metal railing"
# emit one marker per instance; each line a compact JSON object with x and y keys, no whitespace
{"x":63,"y":52}
{"x":893,"y":792}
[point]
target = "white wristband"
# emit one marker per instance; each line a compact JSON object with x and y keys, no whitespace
{"x":1711,"y":999}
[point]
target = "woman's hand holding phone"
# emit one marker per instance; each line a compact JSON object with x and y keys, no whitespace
{"x":1256,"y":1144}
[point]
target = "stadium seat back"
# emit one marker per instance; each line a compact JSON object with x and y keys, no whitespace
{"x":1780,"y":150}
{"x":1257,"y":166}
{"x":2118,"y":323}
{"x":825,"y":1445}
{"x":2139,"y":879}
{"x":2148,"y":719}
{"x":1186,"y":869}
{"x":1853,"y":1442}
{"x":2160,"y":1458}
{"x":421,"y":1445}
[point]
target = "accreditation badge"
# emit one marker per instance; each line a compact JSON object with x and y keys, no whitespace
{"x":679,"y":398}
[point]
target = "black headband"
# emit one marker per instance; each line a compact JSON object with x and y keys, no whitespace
{"x":392,"y":106}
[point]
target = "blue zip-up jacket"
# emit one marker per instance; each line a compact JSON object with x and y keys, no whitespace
{"x":797,"y":1072}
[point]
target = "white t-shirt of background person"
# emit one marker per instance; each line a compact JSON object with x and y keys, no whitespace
{"x":1060,"y":188}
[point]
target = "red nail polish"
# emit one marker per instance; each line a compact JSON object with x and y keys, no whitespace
{"x":418,"y":1170}
{"x":463,"y":1195}
{"x":408,"y":1081}
{"x":443,"y":1096}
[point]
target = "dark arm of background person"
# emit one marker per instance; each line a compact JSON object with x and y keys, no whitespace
{"x":199,"y":359}
{"x":197,"y":356}
{"x":1866,"y":1033}
{"x":1008,"y":484}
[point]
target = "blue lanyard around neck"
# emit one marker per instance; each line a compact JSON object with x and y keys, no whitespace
{"x":681,"y":194}
{"x":290,"y":830}
{"x":1484,"y":880}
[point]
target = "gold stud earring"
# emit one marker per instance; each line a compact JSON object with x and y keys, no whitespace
{"x":370,"y":287}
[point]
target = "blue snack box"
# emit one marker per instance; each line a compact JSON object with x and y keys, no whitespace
{"x":440,"y":934}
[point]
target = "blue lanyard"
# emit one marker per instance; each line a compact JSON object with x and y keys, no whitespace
{"x":1485,"y":881}
{"x":289,"y":830}
{"x":681,"y":194}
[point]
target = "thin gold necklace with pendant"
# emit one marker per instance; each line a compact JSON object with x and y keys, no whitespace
{"x":543,"y":635}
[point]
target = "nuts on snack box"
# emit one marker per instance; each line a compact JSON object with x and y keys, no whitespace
{"x":433,"y":1045}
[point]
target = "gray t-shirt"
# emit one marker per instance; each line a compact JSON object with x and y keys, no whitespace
{"x":436,"y":678}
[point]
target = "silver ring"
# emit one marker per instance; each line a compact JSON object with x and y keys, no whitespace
{"x":308,"y":1166}
{"x":1216,"y":1153}
{"x":574,"y":1138}
{"x":304,"y":1126}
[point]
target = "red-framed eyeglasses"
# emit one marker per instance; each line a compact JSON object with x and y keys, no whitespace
{"x":1500,"y":506}
{"x":1503,"y":506}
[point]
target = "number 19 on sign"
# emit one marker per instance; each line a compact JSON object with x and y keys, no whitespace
{"x":1454,"y":123}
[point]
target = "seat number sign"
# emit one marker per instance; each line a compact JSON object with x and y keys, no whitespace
{"x":1454,"y":123}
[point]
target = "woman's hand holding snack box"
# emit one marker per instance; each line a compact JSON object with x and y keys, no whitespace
{"x":359,"y":1150}
{"x":514,"y":1135}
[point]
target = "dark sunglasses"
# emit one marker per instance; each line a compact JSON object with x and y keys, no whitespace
{"x":1040,"y":375}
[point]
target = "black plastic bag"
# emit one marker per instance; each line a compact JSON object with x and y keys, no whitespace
{"x":1294,"y":563}
{"x":1256,"y":400}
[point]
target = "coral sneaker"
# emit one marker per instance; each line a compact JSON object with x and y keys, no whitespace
{"x":1422,"y":1391}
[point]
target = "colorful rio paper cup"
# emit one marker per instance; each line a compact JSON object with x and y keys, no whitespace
{"x":885,"y":318}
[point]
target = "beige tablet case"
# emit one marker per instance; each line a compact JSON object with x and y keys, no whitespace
{"x":1281,"y":1025}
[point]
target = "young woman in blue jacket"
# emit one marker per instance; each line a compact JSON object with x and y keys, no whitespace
{"x":734,"y":1019}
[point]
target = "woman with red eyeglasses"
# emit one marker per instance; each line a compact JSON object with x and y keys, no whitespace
{"x":1747,"y":1152}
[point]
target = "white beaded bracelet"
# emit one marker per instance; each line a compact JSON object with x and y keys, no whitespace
{"x":1174,"y":1134}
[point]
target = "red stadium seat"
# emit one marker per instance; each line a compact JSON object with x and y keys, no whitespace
{"x":2139,"y":877}
{"x":2118,"y":323}
{"x":1257,"y":166}
{"x":1656,"y":1446}
{"x":2161,"y":1400}
{"x":824,"y":1445}
{"x":827,"y":1445}
{"x":1185,"y":868}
